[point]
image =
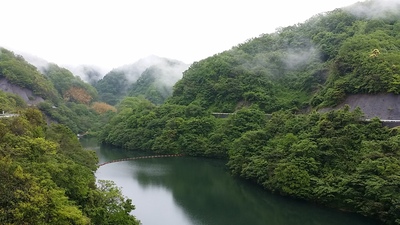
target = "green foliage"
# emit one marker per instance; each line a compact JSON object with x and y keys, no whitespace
{"x":16,"y":70}
{"x":362,"y":55}
{"x":112,"y":87}
{"x":267,"y":77}
{"x":151,"y":77}
{"x":10,"y":102}
{"x":111,"y":206}
{"x":64,"y":80}
{"x":151,"y":86}
{"x":79,"y":118}
{"x":333,"y":158}
{"x":48,"y":178}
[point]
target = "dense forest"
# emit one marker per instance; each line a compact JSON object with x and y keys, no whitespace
{"x":151,"y":77}
{"x":272,"y":87}
{"x":48,"y":178}
{"x":65,"y":98}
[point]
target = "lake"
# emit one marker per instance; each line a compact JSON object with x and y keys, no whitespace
{"x":197,"y":191}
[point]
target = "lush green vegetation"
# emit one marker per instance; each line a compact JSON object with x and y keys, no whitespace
{"x":70,"y":87}
{"x":68,"y":100}
{"x":10,"y":103}
{"x":78,"y":117}
{"x":151,"y":77}
{"x":112,"y":87}
{"x":317,"y":62}
{"x":150,"y":86}
{"x":47,"y":178}
{"x":16,"y":70}
{"x":335,"y":159}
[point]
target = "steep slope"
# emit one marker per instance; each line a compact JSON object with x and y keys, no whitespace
{"x":385,"y":106}
{"x":317,"y":63}
{"x":63,"y":97}
{"x":70,"y":87}
{"x":26,"y":94}
{"x":17,"y":71}
{"x":334,"y":158}
{"x":156,"y":82}
{"x":162,"y":72}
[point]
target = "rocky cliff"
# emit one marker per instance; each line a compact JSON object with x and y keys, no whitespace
{"x":385,"y":106}
{"x":26,"y":94}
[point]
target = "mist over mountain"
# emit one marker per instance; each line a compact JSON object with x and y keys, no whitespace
{"x":38,"y":62}
{"x":337,"y":158}
{"x":375,"y":9}
{"x":153,"y":77}
{"x":88,"y":73}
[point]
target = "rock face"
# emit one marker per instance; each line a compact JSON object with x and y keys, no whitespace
{"x":26,"y":94}
{"x":385,"y":106}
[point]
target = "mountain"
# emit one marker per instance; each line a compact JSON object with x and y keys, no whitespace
{"x":273,"y":89}
{"x":316,"y":63}
{"x":156,"y":76}
{"x":63,"y":97}
{"x":88,"y":73}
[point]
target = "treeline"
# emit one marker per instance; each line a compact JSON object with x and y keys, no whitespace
{"x":318,"y":63}
{"x":68,"y":99}
{"x":152,"y":78}
{"x":17,"y":71}
{"x":335,"y":159}
{"x":46,"y":177}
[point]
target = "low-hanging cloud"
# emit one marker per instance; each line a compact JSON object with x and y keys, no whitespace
{"x":38,"y":62}
{"x":170,"y":71}
{"x":295,"y":58}
{"x":375,"y":9}
{"x":89,"y":74}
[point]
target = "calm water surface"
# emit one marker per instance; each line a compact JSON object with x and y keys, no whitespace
{"x":193,"y":191}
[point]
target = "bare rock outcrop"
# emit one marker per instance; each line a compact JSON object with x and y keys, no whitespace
{"x":26,"y":94}
{"x":385,"y":106}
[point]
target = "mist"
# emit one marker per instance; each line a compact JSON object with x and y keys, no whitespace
{"x":297,"y":58}
{"x":169,"y":71}
{"x":38,"y":62}
{"x":88,"y":73}
{"x":375,"y":9}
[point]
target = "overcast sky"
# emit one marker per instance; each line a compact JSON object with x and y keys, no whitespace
{"x":113,"y":33}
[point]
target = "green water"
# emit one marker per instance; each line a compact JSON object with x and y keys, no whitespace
{"x":193,"y":191}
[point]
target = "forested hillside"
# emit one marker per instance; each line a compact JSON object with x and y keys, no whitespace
{"x":318,"y":62}
{"x":63,"y":97}
{"x":273,"y":85}
{"x":151,"y":77}
{"x":17,"y":71}
{"x":46,"y":177}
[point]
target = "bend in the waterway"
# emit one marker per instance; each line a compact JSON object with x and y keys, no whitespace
{"x":140,"y":157}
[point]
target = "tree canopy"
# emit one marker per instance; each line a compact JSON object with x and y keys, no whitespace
{"x":48,"y":178}
{"x":272,"y":85}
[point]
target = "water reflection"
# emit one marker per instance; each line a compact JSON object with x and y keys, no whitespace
{"x":201,"y":192}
